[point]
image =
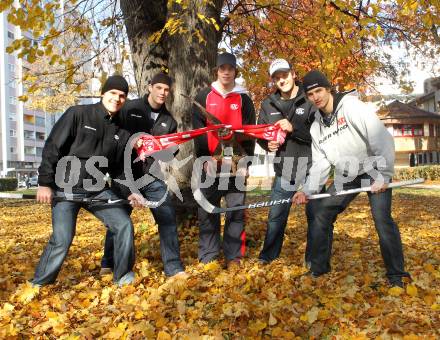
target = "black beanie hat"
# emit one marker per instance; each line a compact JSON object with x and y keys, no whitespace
{"x":314,"y":79}
{"x":115,"y":82}
{"x":226,"y":58}
{"x":162,"y":78}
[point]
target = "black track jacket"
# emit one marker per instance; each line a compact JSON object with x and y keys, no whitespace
{"x":297,"y":144}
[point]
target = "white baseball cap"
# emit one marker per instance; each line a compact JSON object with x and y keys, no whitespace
{"x":279,"y":65}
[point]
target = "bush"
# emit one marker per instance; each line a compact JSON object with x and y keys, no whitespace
{"x":8,"y":184}
{"x":429,"y":172}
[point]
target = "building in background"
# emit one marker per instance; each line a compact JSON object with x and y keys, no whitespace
{"x":22,"y":131}
{"x":430,"y":99}
{"x":416,"y":133}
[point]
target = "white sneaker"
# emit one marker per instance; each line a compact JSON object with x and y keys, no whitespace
{"x":127,"y":279}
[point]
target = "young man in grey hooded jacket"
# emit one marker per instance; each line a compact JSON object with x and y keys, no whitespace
{"x":348,"y":135}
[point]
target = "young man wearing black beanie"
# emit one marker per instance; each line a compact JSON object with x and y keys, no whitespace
{"x":150,"y":115}
{"x":346,"y":130}
{"x":82,"y":133}
{"x":230,"y":104}
{"x":289,"y":108}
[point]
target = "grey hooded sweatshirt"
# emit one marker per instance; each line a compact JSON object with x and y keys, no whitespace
{"x":353,"y":140}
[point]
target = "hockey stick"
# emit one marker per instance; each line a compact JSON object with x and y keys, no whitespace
{"x":210,"y":208}
{"x":148,"y":204}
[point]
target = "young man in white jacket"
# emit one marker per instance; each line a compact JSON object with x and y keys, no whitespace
{"x":348,"y":135}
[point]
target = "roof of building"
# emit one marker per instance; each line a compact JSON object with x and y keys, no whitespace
{"x":399,"y":110}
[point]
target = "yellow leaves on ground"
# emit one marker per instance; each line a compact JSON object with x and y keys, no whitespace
{"x":253,"y":301}
{"x":26,"y":293}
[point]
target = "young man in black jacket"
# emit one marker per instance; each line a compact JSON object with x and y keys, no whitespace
{"x":230,"y":104}
{"x":289,"y":108}
{"x":89,"y":139}
{"x":150,"y":115}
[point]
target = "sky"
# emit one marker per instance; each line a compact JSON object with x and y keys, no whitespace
{"x":417,"y":73}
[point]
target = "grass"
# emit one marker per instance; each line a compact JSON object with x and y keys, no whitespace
{"x":31,"y":191}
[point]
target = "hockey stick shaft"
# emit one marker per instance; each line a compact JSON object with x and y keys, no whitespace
{"x":76,"y":200}
{"x":210,"y":208}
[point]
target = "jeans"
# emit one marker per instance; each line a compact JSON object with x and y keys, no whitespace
{"x":277,"y":220}
{"x":64,"y":214}
{"x":324,"y":214}
{"x":165,"y":217}
{"x":209,"y":224}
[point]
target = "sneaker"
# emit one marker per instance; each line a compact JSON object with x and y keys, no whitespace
{"x":127,"y":279}
{"x":235,"y":263}
{"x":396,"y":283}
{"x":312,"y":274}
{"x":105,"y":271}
{"x":182,"y":275}
{"x":35,"y":285}
{"x":263,"y":262}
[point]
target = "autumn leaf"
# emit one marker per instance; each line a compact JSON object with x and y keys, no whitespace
{"x":395,"y":291}
{"x":26,"y":293}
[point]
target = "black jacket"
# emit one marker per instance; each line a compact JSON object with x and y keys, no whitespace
{"x":135,"y":117}
{"x":297,"y":144}
{"x":84,"y":131}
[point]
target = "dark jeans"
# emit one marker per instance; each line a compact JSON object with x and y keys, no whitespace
{"x":277,"y":221}
{"x":165,"y":217}
{"x":209,"y":224}
{"x":324,"y":213}
{"x":64,"y":216}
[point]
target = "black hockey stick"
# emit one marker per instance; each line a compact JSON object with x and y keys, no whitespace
{"x":77,"y":200}
{"x":210,"y":208}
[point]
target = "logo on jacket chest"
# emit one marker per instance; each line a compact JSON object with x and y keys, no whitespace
{"x":234,"y":106}
{"x":299,"y":111}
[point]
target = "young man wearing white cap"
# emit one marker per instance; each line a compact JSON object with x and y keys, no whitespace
{"x":348,"y":132}
{"x":230,"y":104}
{"x":289,"y":108}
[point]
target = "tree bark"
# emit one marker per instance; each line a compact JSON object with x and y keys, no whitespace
{"x":143,"y":18}
{"x":189,"y":59}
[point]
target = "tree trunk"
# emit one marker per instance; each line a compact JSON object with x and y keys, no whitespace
{"x":143,"y":18}
{"x":189,"y":57}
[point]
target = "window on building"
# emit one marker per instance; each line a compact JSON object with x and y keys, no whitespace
{"x":431,"y":130}
{"x":408,"y":130}
{"x":41,"y":136}
{"x":11,"y":68}
{"x":40,"y":121}
{"x":12,"y":116}
{"x":29,"y":134}
{"x":12,"y":100}
{"x":12,"y":133}
{"x":11,"y":35}
{"x":39,"y":151}
{"x":12,"y":85}
{"x":29,"y":150}
{"x":28,"y":119}
{"x":437,"y":130}
{"x":12,"y":149}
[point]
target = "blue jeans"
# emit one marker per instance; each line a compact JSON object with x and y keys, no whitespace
{"x":165,"y":217}
{"x":64,"y":214}
{"x":324,"y":214}
{"x":277,"y":221}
